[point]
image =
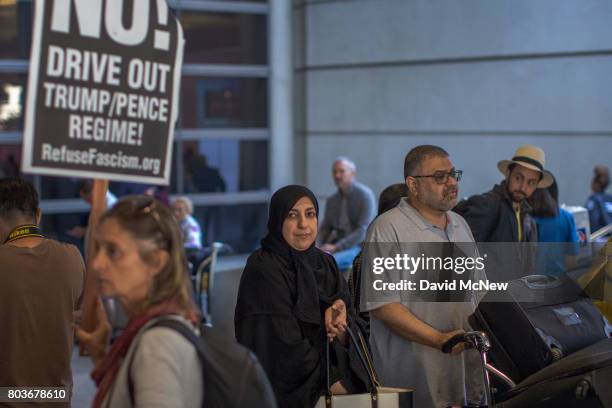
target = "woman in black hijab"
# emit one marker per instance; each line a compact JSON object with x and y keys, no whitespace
{"x":291,"y":300}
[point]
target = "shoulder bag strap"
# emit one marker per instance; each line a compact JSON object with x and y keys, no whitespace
{"x":371,"y":374}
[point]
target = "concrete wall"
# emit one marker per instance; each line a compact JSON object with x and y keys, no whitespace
{"x":477,"y":77}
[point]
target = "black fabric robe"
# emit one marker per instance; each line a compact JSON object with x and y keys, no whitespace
{"x":282,"y":298}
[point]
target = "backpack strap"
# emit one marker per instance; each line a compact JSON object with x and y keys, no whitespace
{"x":185,"y":331}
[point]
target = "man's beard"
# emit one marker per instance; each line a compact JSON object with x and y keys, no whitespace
{"x":518,"y":196}
{"x":447,"y":202}
{"x":450,"y":198}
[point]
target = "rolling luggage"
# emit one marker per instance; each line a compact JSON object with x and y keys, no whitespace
{"x":540,"y":320}
{"x":580,"y":380}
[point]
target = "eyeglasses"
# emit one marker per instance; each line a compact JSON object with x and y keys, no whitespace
{"x":149,"y":207}
{"x":441,"y":177}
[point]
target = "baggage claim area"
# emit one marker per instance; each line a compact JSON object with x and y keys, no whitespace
{"x":305,"y":203}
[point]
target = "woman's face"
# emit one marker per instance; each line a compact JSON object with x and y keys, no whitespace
{"x":300,"y":226}
{"x":120,"y":269}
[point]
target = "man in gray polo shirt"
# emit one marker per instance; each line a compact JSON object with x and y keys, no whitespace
{"x":348,"y":212}
{"x":407,"y":333}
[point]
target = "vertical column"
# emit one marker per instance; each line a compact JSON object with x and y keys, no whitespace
{"x":280,"y":83}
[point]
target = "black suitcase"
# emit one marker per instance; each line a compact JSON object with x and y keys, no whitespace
{"x":537,"y":321}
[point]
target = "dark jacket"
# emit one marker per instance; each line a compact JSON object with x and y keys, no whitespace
{"x":600,"y":210}
{"x":491,"y":217}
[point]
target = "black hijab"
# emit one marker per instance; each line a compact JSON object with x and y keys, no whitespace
{"x":317,"y":276}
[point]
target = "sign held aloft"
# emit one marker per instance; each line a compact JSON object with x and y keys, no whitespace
{"x":103,"y":90}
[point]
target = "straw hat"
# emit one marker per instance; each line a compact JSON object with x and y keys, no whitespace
{"x":531,"y":157}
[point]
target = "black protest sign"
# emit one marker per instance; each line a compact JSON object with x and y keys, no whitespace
{"x":103,"y":89}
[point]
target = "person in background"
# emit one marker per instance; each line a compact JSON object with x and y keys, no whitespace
{"x":291,"y":300}
{"x":599,"y":203}
{"x":555,"y":226}
{"x":41,"y":284}
{"x":138,"y":258}
{"x":182,"y":208}
{"x":348,"y":213}
{"x":199,"y":176}
{"x":85,"y":191}
{"x":502,"y":214}
{"x":389,"y":198}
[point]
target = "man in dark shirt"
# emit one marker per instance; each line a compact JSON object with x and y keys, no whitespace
{"x":502,"y":215}
{"x":599,"y":203}
{"x":41,"y":282}
{"x":348,"y":212}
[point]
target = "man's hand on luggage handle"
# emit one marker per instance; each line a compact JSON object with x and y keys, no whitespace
{"x":444,"y":337}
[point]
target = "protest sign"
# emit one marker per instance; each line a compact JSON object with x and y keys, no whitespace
{"x":103,"y":89}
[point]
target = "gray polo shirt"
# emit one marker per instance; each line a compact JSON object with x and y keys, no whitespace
{"x":438,"y":379}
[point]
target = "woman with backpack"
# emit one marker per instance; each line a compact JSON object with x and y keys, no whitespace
{"x":138,"y":258}
{"x":291,"y":300}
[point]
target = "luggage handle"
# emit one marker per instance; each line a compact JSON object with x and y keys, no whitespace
{"x":371,"y":375}
{"x":479,"y":341}
{"x":452,"y":342}
{"x":540,"y":282}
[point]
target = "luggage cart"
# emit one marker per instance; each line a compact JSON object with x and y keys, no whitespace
{"x":580,"y":380}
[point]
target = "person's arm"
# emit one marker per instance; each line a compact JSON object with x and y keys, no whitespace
{"x":401,"y":320}
{"x":336,"y":321}
{"x":594,"y":206}
{"x":95,"y":341}
{"x":290,"y":360}
{"x":367,"y":211}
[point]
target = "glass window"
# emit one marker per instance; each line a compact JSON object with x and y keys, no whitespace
{"x":12,"y":97}
{"x":15,"y":29}
{"x":224,"y":38}
{"x":224,"y":166}
{"x":240,"y":226}
{"x":10,"y":160}
{"x":223,"y":102}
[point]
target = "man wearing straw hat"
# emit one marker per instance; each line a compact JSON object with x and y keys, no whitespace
{"x":502,"y":214}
